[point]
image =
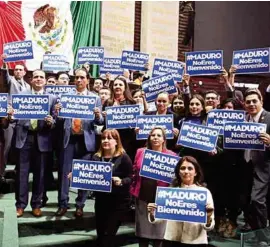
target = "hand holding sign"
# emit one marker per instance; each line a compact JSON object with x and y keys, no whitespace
{"x":233,"y":68}
{"x":10,"y":111}
{"x":3,"y":56}
{"x":97,"y":113}
{"x":49,"y":120}
{"x":265,"y":138}
{"x":147,"y":66}
{"x":57,"y":107}
{"x":213,"y":153}
{"x":151,"y":208}
{"x":117,"y":181}
{"x":209,"y":211}
{"x":224,"y":76}
{"x":186,"y":79}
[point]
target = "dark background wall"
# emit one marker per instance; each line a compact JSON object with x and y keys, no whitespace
{"x":231,"y":26}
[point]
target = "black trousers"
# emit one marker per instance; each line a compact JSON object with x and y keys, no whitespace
{"x":110,"y":211}
{"x":255,"y":195}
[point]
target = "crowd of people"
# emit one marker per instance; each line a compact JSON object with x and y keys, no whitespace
{"x":236,"y":181}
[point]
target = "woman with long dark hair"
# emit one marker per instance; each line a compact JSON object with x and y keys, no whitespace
{"x":121,"y":96}
{"x":196,"y":115}
{"x":188,"y":175}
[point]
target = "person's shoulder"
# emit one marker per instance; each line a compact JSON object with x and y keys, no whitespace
{"x":202,"y":188}
{"x":265,"y":116}
{"x":168,"y":151}
{"x":95,"y":157}
{"x":140,"y":150}
{"x":151,"y":113}
{"x":267,"y":113}
{"x":90,"y":93}
{"x":125,"y":156}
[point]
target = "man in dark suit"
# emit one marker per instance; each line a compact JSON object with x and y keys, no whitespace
{"x":258,"y":162}
{"x":33,"y":141}
{"x":79,"y":140}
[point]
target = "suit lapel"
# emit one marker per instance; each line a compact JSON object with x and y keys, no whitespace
{"x":262,"y":117}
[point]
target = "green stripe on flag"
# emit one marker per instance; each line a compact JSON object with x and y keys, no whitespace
{"x":86,"y":17}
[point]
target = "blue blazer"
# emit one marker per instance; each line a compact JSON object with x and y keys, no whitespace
{"x":87,"y":126}
{"x":44,"y":133}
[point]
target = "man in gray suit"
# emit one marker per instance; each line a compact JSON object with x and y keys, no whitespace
{"x":79,"y":140}
{"x":258,"y":162}
{"x":16,"y":85}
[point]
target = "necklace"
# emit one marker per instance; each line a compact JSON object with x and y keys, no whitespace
{"x":109,"y":161}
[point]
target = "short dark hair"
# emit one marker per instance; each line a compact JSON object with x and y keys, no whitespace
{"x":251,"y":91}
{"x":135,"y":91}
{"x":51,"y":76}
{"x":228,"y":100}
{"x":39,"y":70}
{"x":61,"y":73}
{"x":82,"y":69}
{"x":21,"y":64}
{"x":211,"y":91}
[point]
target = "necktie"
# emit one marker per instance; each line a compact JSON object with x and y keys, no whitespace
{"x":34,"y":122}
{"x":248,"y":152}
{"x":76,"y":123}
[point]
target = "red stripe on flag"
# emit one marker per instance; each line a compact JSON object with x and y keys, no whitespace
{"x":11,"y":28}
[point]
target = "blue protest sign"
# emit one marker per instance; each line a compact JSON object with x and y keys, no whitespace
{"x":53,"y":62}
{"x":158,"y":166}
{"x":198,"y":137}
{"x":204,"y":62}
{"x":164,"y":66}
{"x":3,"y":104}
{"x":111,"y":65}
{"x":243,"y":135}
{"x":92,"y":55}
{"x":179,"y":204}
{"x":251,"y":61}
{"x":91,"y":175}
{"x":30,"y":106}
{"x":154,"y":86}
{"x":217,"y":118}
{"x":122,"y":117}
{"x":146,"y":123}
{"x":58,"y":90}
{"x":77,"y":106}
{"x":18,"y":51}
{"x":134,"y":60}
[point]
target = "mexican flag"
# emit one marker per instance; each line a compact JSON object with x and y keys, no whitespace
{"x":59,"y":27}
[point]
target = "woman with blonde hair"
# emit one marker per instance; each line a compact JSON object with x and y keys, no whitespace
{"x":110,"y":208}
{"x":144,"y":191}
